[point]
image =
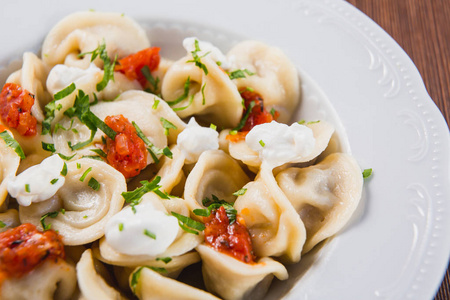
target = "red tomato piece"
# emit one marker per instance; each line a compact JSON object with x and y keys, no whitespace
{"x":15,"y":109}
{"x":132,"y":65}
{"x":25,"y":247}
{"x":257,"y":116}
{"x":127,"y":152}
{"x":232,"y":239}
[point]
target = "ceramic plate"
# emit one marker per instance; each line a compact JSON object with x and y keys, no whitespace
{"x":397,"y":246}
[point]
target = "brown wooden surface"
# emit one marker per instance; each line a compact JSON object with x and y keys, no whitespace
{"x":422,"y":29}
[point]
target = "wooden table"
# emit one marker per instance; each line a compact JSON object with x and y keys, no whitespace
{"x":422,"y":29}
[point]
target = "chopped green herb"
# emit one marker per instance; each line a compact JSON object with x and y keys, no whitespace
{"x":244,"y":119}
{"x":85,"y":217}
{"x":188,"y":224}
{"x":64,"y":170}
{"x":167,"y":125}
{"x":78,"y":166}
{"x":216,"y":203}
{"x":212,"y":126}
{"x":152,"y":149}
{"x":65,"y":92}
{"x":149,"y":234}
{"x":3,"y":225}
{"x":240,"y":74}
{"x":120,"y":226}
{"x":197,"y":59}
{"x":27,"y":188}
{"x":249,"y":89}
{"x":99,"y":152}
{"x":155,"y":104}
{"x":12,"y":143}
{"x":187,"y":83}
{"x":94,"y":184}
{"x":203,"y":94}
{"x":63,"y":211}
{"x":149,"y":77}
{"x":134,"y":197}
{"x":240,"y":192}
{"x":93,"y":157}
{"x":83,"y":177}
{"x":137,"y":274}
{"x":67,"y":158}
{"x":55,"y":180}
{"x":262,"y":143}
{"x":191,"y":99}
{"x":52,"y":214}
{"x":49,"y":116}
{"x":367,"y":173}
{"x":48,"y":147}
{"x":272,"y":112}
{"x":166,"y":260}
{"x":233,"y":132}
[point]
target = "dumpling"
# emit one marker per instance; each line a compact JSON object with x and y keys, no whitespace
{"x":148,"y":284}
{"x":232,"y":279}
{"x":9,"y":219}
{"x":9,"y":163}
{"x":91,"y":284}
{"x":83,"y":32}
{"x":82,"y":207}
{"x":325,"y":195}
{"x":57,"y":280}
{"x":32,"y":77}
{"x":215,"y":173}
{"x":275,"y":77}
{"x":275,"y":227}
{"x":211,"y":98}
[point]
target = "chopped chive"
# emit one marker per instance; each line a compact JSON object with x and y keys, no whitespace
{"x":244,"y":119}
{"x":120,"y":226}
{"x":240,"y":74}
{"x":67,"y":158}
{"x":78,"y":166}
{"x":12,"y":143}
{"x":166,"y":260}
{"x":54,"y":181}
{"x":212,"y":126}
{"x":203,"y":94}
{"x":187,"y":224}
{"x":149,"y":234}
{"x":272,"y":112}
{"x":27,"y":188}
{"x":85,"y":174}
{"x":52,"y":214}
{"x":155,"y":104}
{"x":262,"y":143}
{"x":48,"y":147}
{"x":94,"y":184}
{"x":249,"y":89}
{"x":99,"y":152}
{"x":167,"y":125}
{"x":64,"y":170}
{"x":65,"y":92}
{"x":240,"y":192}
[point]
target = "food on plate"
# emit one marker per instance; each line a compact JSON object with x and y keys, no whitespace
{"x":122,"y":169}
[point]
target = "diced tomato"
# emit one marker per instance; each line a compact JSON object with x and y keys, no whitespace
{"x":127,"y":152}
{"x":15,"y":109}
{"x":232,"y":239}
{"x":23,"y":248}
{"x":258,"y":115}
{"x":132,"y":65}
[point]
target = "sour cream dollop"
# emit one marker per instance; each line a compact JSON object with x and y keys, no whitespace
{"x":278,"y":143}
{"x":195,"y":139}
{"x":37,"y":183}
{"x":205,"y":47}
{"x":62,"y":76}
{"x":147,"y":232}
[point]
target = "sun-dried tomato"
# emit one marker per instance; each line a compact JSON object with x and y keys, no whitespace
{"x":23,"y":248}
{"x":132,"y":65}
{"x":258,"y":115}
{"x":127,"y":152}
{"x":232,"y":239}
{"x":15,"y":109}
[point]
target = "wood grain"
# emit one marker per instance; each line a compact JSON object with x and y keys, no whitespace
{"x":422,"y":29}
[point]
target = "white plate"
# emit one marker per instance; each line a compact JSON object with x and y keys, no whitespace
{"x":398,"y":246}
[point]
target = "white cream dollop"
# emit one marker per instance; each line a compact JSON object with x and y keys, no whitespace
{"x":278,"y":143}
{"x":195,"y":139}
{"x":205,"y":47}
{"x":62,"y":76}
{"x":125,"y":231}
{"x":35,"y":183}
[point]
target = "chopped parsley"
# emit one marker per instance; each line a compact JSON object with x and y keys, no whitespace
{"x":134,"y":197}
{"x":240,"y":192}
{"x":187,"y":224}
{"x":12,"y":143}
{"x":367,"y":173}
{"x":244,"y":119}
{"x":27,"y":188}
{"x":167,"y":125}
{"x":272,"y":112}
{"x":191,"y":99}
{"x":55,"y":180}
{"x":240,"y":74}
{"x":166,"y":260}
{"x":152,"y":149}
{"x":197,"y":59}
{"x":99,"y":152}
{"x":155,"y":104}
{"x":215,"y":203}
{"x":203,"y":94}
{"x":65,"y":92}
{"x":52,"y":215}
{"x":48,"y":147}
{"x":185,"y":94}
{"x":67,"y":158}
{"x":120,"y":226}
{"x":149,"y":77}
{"x":3,"y":225}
